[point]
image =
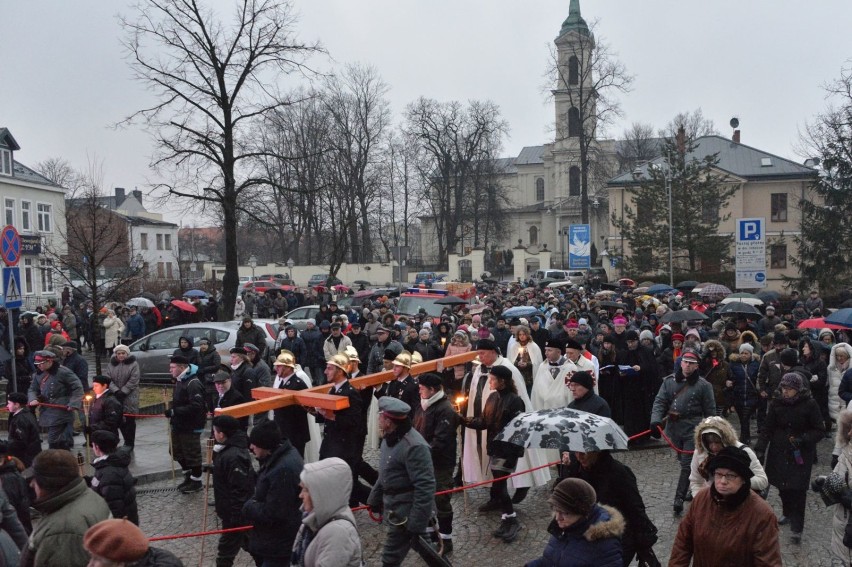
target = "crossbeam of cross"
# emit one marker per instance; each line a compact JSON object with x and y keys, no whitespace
{"x":266,"y":398}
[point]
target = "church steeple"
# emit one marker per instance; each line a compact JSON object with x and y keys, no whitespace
{"x":574,"y":21}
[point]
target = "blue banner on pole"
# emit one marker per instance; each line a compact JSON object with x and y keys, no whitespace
{"x":579,"y":246}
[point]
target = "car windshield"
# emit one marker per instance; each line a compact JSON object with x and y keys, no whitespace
{"x":409,"y":305}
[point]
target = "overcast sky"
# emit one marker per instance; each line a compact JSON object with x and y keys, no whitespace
{"x":65,"y":80}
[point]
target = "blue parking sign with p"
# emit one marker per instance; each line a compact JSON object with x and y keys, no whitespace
{"x":751,"y":229}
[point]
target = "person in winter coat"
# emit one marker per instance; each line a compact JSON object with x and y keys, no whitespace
{"x":239,"y":308}
{"x":11,"y":528}
{"x":838,"y":364}
{"x":742,"y":382}
{"x":292,"y":421}
{"x":24,"y":433}
{"x":328,"y":534}
{"x":120,"y":543}
{"x":791,"y":431}
{"x":73,"y":361}
{"x":289,"y":339}
{"x":811,"y":359}
{"x":105,"y":411}
{"x":30,"y":333}
{"x":336,"y":342}
{"x":273,"y":508}
{"x":728,"y":523}
{"x":186,"y":350}
{"x":16,"y":489}
{"x":68,"y":508}
{"x":135,"y":325}
{"x":314,"y":363}
{"x":249,"y":333}
{"x":187,"y":417}
{"x":841,"y":543}
{"x":711,"y":436}
{"x":113,"y":329}
{"x":361,"y":342}
{"x":714,"y":369}
{"x":582,"y":386}
{"x":112,"y":480}
{"x":436,"y":420}
{"x":208,"y":365}
{"x":123,"y":372}
{"x":23,"y":368}
{"x":233,"y":484}
{"x":582,"y":533}
{"x":56,"y":335}
{"x":56,"y":385}
{"x":615,"y":486}
{"x":242,"y":374}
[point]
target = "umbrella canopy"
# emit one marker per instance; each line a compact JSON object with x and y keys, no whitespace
{"x":521,"y":311}
{"x":361,"y":282}
{"x":545,"y":281}
{"x":606,"y":293}
{"x":184,"y":306}
{"x":714,"y":290}
{"x":643,"y":290}
{"x":564,"y":429}
{"x":646,"y":283}
{"x":682,"y":315}
{"x":148,"y":295}
{"x":627,"y":282}
{"x":768,"y":296}
{"x":340,"y":288}
{"x":451,"y":300}
{"x":140,"y":302}
{"x":687,"y":285}
{"x":552,"y":285}
{"x":740,"y":308}
{"x":818,"y":323}
{"x":195,"y":293}
{"x":842,"y":317}
{"x":659,"y":289}
{"x":613,"y":304}
{"x":749,"y":298}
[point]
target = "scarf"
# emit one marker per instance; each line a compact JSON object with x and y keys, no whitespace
{"x":425,"y":404}
{"x":731,"y":501}
{"x":303,"y":541}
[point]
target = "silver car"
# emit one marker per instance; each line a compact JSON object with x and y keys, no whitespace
{"x":300,"y":316}
{"x":153,"y":351}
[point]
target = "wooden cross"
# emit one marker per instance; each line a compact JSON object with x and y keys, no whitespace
{"x":318,"y":397}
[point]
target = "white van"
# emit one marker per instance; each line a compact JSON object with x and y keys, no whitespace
{"x":559,"y":275}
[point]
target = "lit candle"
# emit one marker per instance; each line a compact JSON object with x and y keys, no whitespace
{"x":459,"y":401}
{"x":443,"y":340}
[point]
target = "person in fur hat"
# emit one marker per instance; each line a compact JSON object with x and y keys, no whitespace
{"x":711,"y":436}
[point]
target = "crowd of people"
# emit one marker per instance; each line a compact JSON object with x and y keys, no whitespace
{"x":743,"y":400}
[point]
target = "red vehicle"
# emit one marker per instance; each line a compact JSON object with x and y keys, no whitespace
{"x":415,"y":298}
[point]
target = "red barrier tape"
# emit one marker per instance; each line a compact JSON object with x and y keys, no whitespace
{"x":484,"y":482}
{"x":672,"y":445}
{"x":201,"y":534}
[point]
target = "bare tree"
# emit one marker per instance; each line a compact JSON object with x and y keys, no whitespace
{"x":693,"y":123}
{"x":214,"y":84}
{"x":637,"y":146}
{"x":587,"y":78}
{"x":60,"y":171}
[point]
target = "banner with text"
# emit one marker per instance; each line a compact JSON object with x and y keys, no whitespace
{"x":579,"y":247}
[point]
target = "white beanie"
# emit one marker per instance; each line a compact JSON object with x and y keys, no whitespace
{"x":746,"y":347}
{"x":646,"y":334}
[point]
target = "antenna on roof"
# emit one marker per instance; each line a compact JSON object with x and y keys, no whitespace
{"x":735,"y":122}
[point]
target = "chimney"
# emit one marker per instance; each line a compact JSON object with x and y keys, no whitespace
{"x":736,"y":136}
{"x":681,"y":140}
{"x":119,"y":196}
{"x":138,"y":194}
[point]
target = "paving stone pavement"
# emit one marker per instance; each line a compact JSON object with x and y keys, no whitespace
{"x":164,"y":511}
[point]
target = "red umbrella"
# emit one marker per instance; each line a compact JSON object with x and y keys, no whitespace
{"x":184,"y":306}
{"x":319,"y":287}
{"x":288,"y":287}
{"x":818,"y":323}
{"x":340,"y":288}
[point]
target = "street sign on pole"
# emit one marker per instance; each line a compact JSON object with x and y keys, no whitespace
{"x":12,"y":298}
{"x":751,"y":253}
{"x":10,"y":245}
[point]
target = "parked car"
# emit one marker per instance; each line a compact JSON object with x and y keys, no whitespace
{"x":558,"y":275}
{"x":323,"y":280}
{"x":153,"y":351}
{"x":577,"y":277}
{"x":300,"y":315}
{"x":596,"y":276}
{"x":428,"y":278}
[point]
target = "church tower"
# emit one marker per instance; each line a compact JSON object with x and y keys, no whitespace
{"x":574,"y":95}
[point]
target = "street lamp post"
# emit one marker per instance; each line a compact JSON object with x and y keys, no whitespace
{"x":668,"y":179}
{"x":140,"y":264}
{"x":252,"y":261}
{"x":290,"y":264}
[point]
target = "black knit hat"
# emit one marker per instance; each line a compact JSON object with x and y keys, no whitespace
{"x":486,"y":344}
{"x":574,"y":496}
{"x":584,"y":379}
{"x":227,"y":424}
{"x":732,"y":458}
{"x":789,"y":357}
{"x":266,"y":436}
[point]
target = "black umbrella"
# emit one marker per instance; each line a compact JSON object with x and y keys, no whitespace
{"x":149,"y":295}
{"x":683,"y":315}
{"x":740,"y":308}
{"x":361,"y":282}
{"x":451,"y":300}
{"x":687,"y":285}
{"x":614,"y":304}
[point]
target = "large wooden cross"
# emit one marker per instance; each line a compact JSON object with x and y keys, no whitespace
{"x":318,"y":397}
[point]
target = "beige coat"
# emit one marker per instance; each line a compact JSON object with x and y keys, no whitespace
{"x":113,"y":328}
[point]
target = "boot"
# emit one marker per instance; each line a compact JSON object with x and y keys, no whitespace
{"x":512,"y":528}
{"x":501,"y":531}
{"x":185,"y":482}
{"x":520,"y":494}
{"x":680,"y":492}
{"x":447,"y":542}
{"x":194,"y":485}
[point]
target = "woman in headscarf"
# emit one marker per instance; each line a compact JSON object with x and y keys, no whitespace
{"x":711,"y":436}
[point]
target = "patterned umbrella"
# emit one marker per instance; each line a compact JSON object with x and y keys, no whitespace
{"x":749,"y":298}
{"x":715,"y":290}
{"x":564,"y":429}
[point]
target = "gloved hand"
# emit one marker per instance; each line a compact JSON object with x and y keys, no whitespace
{"x":120,"y":396}
{"x":169,"y":413}
{"x":655,"y":429}
{"x":834,"y":460}
{"x":647,"y":558}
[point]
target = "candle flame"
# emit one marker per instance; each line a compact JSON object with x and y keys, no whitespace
{"x":88,"y":398}
{"x":460,"y":399}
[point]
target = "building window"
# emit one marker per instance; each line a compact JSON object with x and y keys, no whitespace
{"x":169,"y":274}
{"x":26,"y":212}
{"x":9,"y":211}
{"x":573,"y":122}
{"x":45,"y":222}
{"x":159,"y":242}
{"x":161,"y":270}
{"x":46,"y":276}
{"x":143,"y":240}
{"x":644,"y":212}
{"x":778,"y":256}
{"x":533,"y":236}
{"x":710,"y":211}
{"x":5,"y":162}
{"x":168,"y":241}
{"x":574,"y":181}
{"x":573,"y":70}
{"x":779,"y":207}
{"x":29,"y":277}
{"x":539,"y":189}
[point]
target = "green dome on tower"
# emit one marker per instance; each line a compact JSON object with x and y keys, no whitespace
{"x":574,"y":21}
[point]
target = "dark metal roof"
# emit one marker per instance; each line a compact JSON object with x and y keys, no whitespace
{"x":735,"y":159}
{"x":24,"y":173}
{"x":8,"y":139}
{"x":530,"y":155}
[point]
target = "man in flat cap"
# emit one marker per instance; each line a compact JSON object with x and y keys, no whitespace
{"x":188,"y":415}
{"x":375,"y":362}
{"x":226,"y":394}
{"x":404,"y":492}
{"x":56,"y":385}
{"x":336,"y":342}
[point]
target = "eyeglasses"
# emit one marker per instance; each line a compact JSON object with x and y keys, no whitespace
{"x":729,"y":477}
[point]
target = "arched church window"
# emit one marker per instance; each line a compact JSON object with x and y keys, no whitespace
{"x":533,"y":236}
{"x":573,"y":122}
{"x":573,"y":70}
{"x":574,"y":181}
{"x":539,"y":189}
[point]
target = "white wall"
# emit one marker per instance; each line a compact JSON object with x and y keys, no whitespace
{"x":376,"y":274}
